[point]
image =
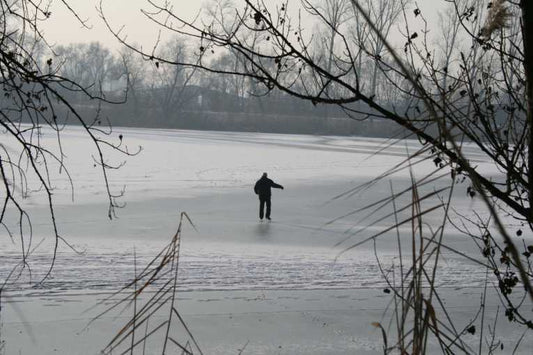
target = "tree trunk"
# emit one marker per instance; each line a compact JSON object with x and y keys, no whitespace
{"x":527,"y":28}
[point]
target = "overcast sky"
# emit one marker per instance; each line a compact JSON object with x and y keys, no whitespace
{"x":63,"y":28}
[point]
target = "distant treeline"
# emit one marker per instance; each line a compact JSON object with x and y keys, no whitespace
{"x":140,"y":92}
{"x":204,"y":109}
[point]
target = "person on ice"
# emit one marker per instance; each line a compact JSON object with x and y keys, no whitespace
{"x":262,"y":188}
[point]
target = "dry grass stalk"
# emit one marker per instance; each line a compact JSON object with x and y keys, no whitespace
{"x":157,"y":283}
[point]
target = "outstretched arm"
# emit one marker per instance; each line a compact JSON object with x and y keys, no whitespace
{"x":277,"y":186}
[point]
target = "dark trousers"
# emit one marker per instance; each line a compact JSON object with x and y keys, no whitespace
{"x":262,"y":202}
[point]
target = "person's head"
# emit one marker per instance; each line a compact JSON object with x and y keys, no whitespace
{"x":264,"y":175}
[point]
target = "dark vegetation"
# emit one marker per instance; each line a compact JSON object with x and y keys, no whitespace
{"x":157,"y":97}
{"x":223,"y":112}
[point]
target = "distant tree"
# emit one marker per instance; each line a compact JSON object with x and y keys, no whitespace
{"x":384,"y":15}
{"x":474,"y":86}
{"x":135,"y":70}
{"x":240,"y":87}
{"x":169,"y":84}
{"x":91,"y":65}
{"x":334,"y":14}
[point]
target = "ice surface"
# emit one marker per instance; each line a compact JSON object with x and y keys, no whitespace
{"x":189,"y":163}
{"x":210,"y":175}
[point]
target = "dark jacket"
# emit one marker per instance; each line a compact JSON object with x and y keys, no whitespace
{"x":263,"y":185}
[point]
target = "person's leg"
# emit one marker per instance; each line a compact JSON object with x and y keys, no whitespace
{"x":261,"y":207}
{"x":268,"y":203}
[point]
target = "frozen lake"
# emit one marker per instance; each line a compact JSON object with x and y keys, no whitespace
{"x":289,"y":271}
